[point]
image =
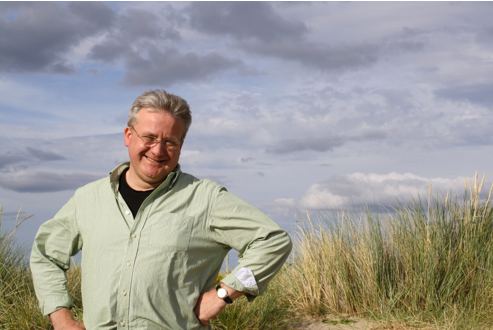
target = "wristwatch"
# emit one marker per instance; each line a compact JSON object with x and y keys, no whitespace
{"x":222,"y":293}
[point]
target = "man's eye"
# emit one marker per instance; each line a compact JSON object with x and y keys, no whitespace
{"x":171,"y":143}
{"x":149,"y":138}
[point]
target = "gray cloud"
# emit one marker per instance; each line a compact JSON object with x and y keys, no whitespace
{"x":481,"y":94}
{"x":321,"y":143}
{"x":142,"y":40}
{"x":485,"y":36}
{"x":221,"y":179}
{"x":109,"y":50}
{"x":338,"y":57}
{"x":37,"y":182}
{"x":244,"y":20}
{"x":6,"y":160}
{"x":36,"y":36}
{"x":12,"y":216}
{"x":272,"y":35}
{"x":398,"y":99}
{"x":257,"y":28}
{"x":169,"y":67}
{"x":137,"y":39}
{"x":94,"y":16}
{"x":245,"y":104}
{"x":320,"y":56}
{"x":44,"y":155}
{"x":133,"y":28}
{"x":136,"y":24}
{"x":246,"y":160}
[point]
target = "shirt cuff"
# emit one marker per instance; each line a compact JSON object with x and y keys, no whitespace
{"x":54,"y":303}
{"x":243,"y":280}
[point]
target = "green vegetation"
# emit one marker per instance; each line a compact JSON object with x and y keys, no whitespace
{"x":427,"y":264}
{"x":18,"y":304}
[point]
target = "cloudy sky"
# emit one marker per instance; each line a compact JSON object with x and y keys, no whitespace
{"x":295,"y":105}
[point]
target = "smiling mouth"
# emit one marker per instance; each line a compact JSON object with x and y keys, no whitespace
{"x":153,"y":160}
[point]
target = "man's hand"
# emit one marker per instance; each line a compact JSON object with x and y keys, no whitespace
{"x":62,"y":320}
{"x":210,"y":305}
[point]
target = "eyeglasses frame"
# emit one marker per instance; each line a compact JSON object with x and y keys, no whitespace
{"x":156,"y":141}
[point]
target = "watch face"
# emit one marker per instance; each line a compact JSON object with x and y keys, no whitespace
{"x":222,"y":293}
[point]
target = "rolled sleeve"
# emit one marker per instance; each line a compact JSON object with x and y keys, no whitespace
{"x":233,"y":282}
{"x":52,"y":304}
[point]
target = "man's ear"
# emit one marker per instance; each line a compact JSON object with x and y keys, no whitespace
{"x":127,"y":134}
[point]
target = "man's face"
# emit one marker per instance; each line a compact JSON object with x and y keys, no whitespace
{"x":149,"y":166}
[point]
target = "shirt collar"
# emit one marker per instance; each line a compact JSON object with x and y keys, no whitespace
{"x":117,"y":171}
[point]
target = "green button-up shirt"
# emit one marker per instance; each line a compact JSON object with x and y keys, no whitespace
{"x":148,"y":272}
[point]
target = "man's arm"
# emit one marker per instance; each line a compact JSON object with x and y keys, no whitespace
{"x":56,"y":241}
{"x":62,"y":320}
{"x":263,"y":245}
{"x":210,"y":305}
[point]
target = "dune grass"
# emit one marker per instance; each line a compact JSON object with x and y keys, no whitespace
{"x":18,"y":303}
{"x":426,"y":264}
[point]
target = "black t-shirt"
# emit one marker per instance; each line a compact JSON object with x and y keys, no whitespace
{"x":133,"y":198}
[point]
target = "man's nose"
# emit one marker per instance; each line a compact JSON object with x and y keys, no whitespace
{"x":159,"y":149}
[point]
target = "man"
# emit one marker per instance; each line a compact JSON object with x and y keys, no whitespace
{"x":153,"y":238}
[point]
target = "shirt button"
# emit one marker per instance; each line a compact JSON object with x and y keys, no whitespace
{"x":127,"y":212}
{"x":128,"y":263}
{"x":133,"y":236}
{"x":124,"y":293}
{"x":122,"y":324}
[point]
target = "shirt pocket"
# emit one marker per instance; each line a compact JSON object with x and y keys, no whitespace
{"x":169,"y":231}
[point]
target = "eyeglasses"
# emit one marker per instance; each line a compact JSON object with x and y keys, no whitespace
{"x":151,"y":141}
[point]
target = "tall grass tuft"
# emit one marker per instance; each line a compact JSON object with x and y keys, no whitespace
{"x":18,"y":303}
{"x":426,"y":261}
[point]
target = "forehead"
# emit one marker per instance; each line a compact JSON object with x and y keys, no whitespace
{"x":158,"y":123}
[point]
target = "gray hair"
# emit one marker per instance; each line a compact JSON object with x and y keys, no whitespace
{"x":158,"y":100}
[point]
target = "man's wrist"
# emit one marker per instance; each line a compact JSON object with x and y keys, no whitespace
{"x":61,"y":316}
{"x":232,"y":293}
{"x":222,"y":293}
